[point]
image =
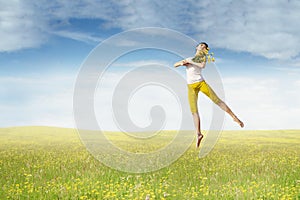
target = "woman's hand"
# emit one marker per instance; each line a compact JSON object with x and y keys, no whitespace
{"x":185,"y":62}
{"x":181,"y":63}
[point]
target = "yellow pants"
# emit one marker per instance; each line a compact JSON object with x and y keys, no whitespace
{"x":193,"y":90}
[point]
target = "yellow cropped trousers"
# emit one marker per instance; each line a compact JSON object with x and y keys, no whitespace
{"x":193,"y":90}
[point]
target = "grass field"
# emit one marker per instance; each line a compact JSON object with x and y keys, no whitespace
{"x":51,"y":163}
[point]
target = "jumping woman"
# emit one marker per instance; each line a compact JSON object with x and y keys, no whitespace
{"x":196,"y":83}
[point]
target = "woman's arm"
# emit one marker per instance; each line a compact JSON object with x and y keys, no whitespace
{"x":181,"y":63}
{"x":201,"y":64}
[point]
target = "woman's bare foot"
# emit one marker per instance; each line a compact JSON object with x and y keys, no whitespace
{"x":239,"y":122}
{"x":199,"y":138}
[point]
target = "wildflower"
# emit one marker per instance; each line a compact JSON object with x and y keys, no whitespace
{"x":204,"y":56}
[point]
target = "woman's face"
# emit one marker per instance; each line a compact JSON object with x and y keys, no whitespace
{"x":201,"y":47}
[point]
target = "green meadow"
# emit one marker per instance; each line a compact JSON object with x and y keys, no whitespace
{"x":52,"y":163}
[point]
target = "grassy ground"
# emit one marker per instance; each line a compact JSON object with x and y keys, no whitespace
{"x":51,"y":163}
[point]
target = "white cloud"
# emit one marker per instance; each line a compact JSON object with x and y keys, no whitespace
{"x":264,"y":103}
{"x":29,"y":24}
{"x":37,"y":100}
{"x":269,"y":103}
{"x":84,"y":37}
{"x":141,"y":63}
{"x":19,"y":26}
{"x":142,"y":90}
{"x":264,"y":28}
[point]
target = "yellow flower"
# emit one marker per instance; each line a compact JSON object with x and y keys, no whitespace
{"x":204,"y":56}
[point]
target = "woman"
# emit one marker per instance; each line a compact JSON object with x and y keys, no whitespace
{"x":197,"y":83}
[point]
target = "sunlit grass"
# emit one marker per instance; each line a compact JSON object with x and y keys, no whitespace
{"x":52,"y":163}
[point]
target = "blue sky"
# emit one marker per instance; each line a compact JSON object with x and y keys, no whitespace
{"x":256,"y":45}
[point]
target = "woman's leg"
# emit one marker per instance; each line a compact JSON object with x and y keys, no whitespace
{"x":196,"y":118}
{"x":208,"y":91}
{"x":224,"y":107}
{"x":193,"y":90}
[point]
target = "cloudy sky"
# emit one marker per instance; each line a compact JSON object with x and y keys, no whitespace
{"x":45,"y":43}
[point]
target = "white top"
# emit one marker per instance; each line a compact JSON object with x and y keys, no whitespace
{"x":193,"y":71}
